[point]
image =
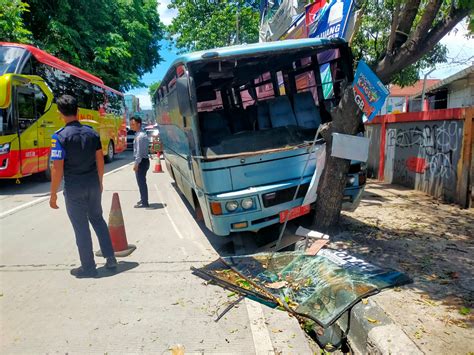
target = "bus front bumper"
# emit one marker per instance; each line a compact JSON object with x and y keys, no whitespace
{"x":262,"y":217}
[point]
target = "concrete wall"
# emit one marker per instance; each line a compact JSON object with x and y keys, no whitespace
{"x":373,"y":133}
{"x":424,"y":156}
{"x":427,"y":151}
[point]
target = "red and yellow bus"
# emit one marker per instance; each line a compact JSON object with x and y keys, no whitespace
{"x":30,"y":81}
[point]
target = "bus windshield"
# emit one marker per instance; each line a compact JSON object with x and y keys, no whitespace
{"x":9,"y":59}
{"x":261,"y":102}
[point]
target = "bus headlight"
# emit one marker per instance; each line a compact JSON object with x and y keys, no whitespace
{"x":231,"y":206}
{"x":247,"y":203}
{"x":350,"y":180}
{"x":4,"y":148}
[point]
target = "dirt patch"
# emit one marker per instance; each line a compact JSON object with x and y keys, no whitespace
{"x":433,"y":243}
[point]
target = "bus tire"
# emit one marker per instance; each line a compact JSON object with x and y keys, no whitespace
{"x":110,"y":152}
{"x":197,"y":209}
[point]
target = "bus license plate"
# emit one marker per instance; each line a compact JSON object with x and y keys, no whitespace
{"x":294,"y":213}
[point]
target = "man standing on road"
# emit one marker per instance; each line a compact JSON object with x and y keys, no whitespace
{"x":142,"y":163}
{"x":77,"y":154}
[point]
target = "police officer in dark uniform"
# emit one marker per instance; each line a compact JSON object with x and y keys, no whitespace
{"x":77,"y":155}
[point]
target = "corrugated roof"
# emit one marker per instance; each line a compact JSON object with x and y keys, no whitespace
{"x":396,"y":90}
{"x":459,"y":75}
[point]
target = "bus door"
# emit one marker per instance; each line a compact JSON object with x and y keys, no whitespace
{"x":31,"y":102}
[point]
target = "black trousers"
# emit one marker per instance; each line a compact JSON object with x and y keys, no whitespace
{"x":140,"y":174}
{"x":83,"y":205}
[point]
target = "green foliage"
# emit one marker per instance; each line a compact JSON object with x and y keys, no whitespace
{"x":204,"y":24}
{"x":117,"y":40}
{"x":372,"y":38}
{"x":152,"y":88}
{"x":11,"y":23}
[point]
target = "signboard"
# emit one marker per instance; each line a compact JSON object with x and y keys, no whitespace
{"x":278,"y":16}
{"x":312,"y":15}
{"x":296,"y":30}
{"x":369,"y":92}
{"x":329,"y":21}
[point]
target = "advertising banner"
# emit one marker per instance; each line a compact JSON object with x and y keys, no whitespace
{"x":369,"y":92}
{"x":296,"y":30}
{"x":312,"y":14}
{"x":278,"y":16}
{"x":331,"y":20}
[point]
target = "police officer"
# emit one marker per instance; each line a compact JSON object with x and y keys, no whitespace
{"x":142,"y":162}
{"x":76,"y":153}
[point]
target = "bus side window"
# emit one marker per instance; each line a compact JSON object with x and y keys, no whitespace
{"x":40,"y":102}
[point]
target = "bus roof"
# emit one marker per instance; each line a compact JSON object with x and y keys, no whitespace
{"x":57,"y":63}
{"x":249,"y":49}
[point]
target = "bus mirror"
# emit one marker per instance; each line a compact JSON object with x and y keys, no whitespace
{"x":184,"y":99}
{"x":5,"y":92}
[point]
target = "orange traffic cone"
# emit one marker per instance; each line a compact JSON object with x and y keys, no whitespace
{"x":158,"y":168}
{"x":117,"y":230}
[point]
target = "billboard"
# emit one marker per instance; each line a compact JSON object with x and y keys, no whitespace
{"x":369,"y":92}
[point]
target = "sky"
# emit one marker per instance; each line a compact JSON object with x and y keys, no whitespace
{"x":460,"y":53}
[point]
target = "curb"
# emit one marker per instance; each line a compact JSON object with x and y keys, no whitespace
{"x":382,"y":337}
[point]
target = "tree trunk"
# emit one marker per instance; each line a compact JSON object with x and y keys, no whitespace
{"x":346,"y":119}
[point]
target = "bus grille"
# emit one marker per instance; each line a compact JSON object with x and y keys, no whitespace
{"x":282,"y":196}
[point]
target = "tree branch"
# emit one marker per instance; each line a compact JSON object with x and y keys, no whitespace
{"x":393,"y":28}
{"x":412,"y":51}
{"x":405,"y":22}
{"x":426,"y":20}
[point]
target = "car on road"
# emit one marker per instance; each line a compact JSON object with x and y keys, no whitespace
{"x":154,"y":142}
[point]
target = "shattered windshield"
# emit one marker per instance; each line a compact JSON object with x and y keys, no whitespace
{"x":9,"y":59}
{"x":266,"y":102}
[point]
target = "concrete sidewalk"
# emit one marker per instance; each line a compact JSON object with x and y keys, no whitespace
{"x":433,"y":243}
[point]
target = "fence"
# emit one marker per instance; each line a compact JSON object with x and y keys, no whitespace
{"x":429,"y":151}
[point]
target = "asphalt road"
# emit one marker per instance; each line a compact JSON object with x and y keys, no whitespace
{"x":152,"y":303}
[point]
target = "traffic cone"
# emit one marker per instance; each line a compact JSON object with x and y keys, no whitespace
{"x":158,"y":168}
{"x":117,"y":230}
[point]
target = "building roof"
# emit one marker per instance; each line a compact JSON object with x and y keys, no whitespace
{"x":450,"y":79}
{"x":396,"y":90}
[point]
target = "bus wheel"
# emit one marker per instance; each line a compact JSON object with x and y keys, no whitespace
{"x":110,"y":153}
{"x":197,"y":209}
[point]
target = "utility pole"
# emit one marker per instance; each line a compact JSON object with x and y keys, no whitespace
{"x":424,"y":89}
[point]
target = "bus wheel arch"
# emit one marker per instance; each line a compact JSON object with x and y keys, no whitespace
{"x":197,"y":208}
{"x":110,"y":152}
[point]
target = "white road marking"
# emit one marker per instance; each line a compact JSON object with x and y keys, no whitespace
{"x":42,"y":199}
{"x":261,"y":337}
{"x":180,"y":236}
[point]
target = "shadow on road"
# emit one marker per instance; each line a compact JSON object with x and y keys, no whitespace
{"x":36,"y":184}
{"x":123,"y":266}
{"x":242,"y":243}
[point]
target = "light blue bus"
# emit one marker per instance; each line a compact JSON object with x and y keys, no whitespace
{"x":237,"y":125}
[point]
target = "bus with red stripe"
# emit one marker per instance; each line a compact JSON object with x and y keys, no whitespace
{"x":30,"y":82}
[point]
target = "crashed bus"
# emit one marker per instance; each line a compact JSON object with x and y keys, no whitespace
{"x":238,"y":123}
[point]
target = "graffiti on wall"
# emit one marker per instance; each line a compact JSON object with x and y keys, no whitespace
{"x":427,"y":154}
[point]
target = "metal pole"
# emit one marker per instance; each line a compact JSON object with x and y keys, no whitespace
{"x":424,"y":89}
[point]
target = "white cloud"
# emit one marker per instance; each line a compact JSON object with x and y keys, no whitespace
{"x":166,"y":15}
